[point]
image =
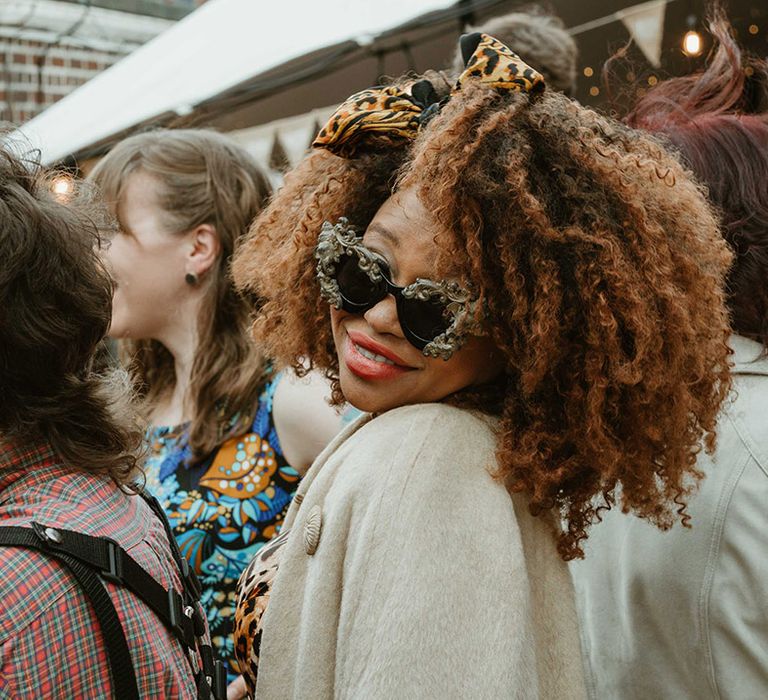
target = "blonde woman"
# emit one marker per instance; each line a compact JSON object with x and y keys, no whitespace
{"x":228,"y":438}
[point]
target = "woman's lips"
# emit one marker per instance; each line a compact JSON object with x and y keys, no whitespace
{"x":369,"y":360}
{"x":368,"y":343}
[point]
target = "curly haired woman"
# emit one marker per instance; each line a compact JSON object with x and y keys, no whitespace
{"x":712,"y":579}
{"x":531,"y":315}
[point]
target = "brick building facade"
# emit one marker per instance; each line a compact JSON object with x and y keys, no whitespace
{"x":50,"y":47}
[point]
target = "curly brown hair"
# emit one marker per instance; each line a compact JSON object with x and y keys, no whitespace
{"x":55,"y":386}
{"x":601,"y":268}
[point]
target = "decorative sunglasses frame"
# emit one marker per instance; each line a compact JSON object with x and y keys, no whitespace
{"x":337,"y":240}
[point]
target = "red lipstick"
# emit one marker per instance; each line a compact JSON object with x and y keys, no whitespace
{"x":366,"y":367}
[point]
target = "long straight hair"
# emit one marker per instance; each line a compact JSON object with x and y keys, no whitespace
{"x":205,"y":178}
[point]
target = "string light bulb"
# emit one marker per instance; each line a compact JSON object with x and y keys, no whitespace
{"x":692,"y":42}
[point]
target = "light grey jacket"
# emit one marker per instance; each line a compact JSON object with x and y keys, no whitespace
{"x":411,"y":573}
{"x":683,"y":614}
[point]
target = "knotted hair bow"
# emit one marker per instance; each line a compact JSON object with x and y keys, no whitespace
{"x":391,"y":114}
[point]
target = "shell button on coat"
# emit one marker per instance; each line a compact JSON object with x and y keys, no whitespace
{"x":312,"y":528}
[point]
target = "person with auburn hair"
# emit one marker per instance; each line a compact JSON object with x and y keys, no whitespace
{"x":682,"y":614}
{"x":531,"y":314}
{"x":69,"y":441}
{"x":228,"y":437}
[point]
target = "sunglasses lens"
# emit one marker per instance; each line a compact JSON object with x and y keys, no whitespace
{"x":424,"y":319}
{"x":421,"y":321}
{"x":357,"y":289}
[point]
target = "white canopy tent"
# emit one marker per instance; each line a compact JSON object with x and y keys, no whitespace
{"x":271,"y":73}
{"x":222,"y":45}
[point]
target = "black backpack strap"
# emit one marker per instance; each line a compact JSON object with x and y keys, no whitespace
{"x":189,"y":577}
{"x":118,"y":653}
{"x":213,"y":678}
{"x":102,"y":556}
{"x":115,"y":564}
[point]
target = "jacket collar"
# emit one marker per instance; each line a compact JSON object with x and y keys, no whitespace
{"x":749,"y":356}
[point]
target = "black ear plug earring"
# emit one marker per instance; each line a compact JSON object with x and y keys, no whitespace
{"x":191,"y":279}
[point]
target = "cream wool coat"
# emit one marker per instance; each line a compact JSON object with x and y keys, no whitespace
{"x":411,"y":573}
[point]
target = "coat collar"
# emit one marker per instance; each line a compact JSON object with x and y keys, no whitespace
{"x":749,"y":356}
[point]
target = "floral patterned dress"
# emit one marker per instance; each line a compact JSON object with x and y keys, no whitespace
{"x":223,"y":509}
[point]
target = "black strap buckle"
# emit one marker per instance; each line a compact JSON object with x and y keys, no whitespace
{"x":49,"y":536}
{"x":204,"y":691}
{"x":198,"y":622}
{"x":114,"y":561}
{"x":207,"y":661}
{"x":180,"y":620}
{"x":219,"y":684}
{"x":176,"y":613}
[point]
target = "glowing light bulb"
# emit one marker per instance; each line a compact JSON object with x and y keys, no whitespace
{"x":692,"y":43}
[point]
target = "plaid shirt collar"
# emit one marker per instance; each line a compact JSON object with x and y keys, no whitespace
{"x":25,"y":466}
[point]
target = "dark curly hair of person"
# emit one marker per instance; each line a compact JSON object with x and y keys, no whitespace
{"x":716,"y":121}
{"x":55,"y":309}
{"x":599,"y":264}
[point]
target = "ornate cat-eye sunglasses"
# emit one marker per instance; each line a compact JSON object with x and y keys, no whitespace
{"x":435,"y":317}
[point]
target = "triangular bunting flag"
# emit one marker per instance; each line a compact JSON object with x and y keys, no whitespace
{"x":278,"y":158}
{"x":645,"y":23}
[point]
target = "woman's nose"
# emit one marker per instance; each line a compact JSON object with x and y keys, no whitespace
{"x":383,"y":317}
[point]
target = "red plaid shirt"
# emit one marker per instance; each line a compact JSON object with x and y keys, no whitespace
{"x":50,"y":642}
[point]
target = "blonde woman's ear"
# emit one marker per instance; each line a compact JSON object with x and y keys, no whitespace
{"x":204,"y":250}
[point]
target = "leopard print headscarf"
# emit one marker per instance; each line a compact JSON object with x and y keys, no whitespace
{"x":397,"y":114}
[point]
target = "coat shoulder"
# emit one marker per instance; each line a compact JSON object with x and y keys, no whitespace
{"x":432,"y":427}
{"x":427,"y":449}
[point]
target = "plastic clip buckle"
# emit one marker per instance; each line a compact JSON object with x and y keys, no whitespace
{"x":219,"y":685}
{"x":198,"y":622}
{"x":50,"y":537}
{"x":176,"y":615}
{"x":207,"y":661}
{"x":115,"y":562}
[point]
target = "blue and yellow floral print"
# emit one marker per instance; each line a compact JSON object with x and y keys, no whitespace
{"x":223,"y":509}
